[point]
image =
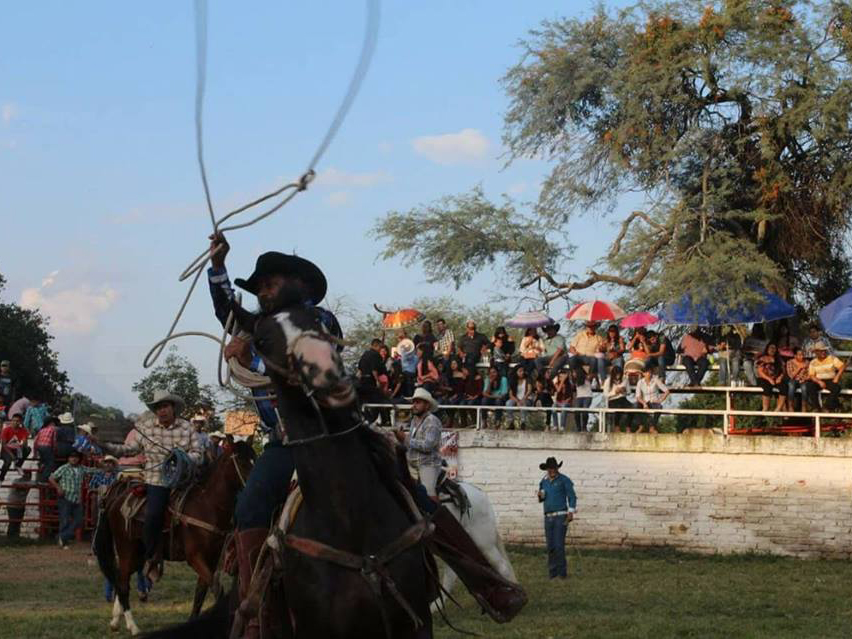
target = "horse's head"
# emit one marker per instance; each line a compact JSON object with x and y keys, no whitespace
{"x":237,"y":460}
{"x":297,"y":348}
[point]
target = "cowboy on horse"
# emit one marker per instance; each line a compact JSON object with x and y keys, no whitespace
{"x":280,"y":281}
{"x":159,"y":435}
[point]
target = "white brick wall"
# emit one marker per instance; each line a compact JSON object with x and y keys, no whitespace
{"x":786,"y":496}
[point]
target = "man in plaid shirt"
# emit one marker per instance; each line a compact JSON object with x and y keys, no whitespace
{"x":159,"y":434}
{"x":68,"y":482}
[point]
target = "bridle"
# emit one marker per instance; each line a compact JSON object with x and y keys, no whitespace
{"x":293,"y":376}
{"x":238,"y":470}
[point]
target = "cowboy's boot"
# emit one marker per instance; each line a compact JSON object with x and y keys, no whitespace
{"x":499,"y":597}
{"x":248,"y":543}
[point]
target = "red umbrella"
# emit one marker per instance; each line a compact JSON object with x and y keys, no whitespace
{"x":636,"y":320}
{"x":399,"y":319}
{"x":595,"y":311}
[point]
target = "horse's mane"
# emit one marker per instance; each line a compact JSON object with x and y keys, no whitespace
{"x":389,"y":461}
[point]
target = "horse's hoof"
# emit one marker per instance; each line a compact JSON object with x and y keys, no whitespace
{"x":113,"y":626}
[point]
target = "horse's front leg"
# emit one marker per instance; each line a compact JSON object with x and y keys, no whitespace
{"x":201,"y":589}
{"x":122,"y":597}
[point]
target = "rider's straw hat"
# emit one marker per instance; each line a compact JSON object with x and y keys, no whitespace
{"x":161,"y":396}
{"x":425,"y":395}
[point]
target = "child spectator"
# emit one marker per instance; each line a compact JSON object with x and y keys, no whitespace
{"x":17,"y":504}
{"x":68,"y":482}
{"x":13,"y":445}
{"x":582,"y":396}
{"x":563,"y":396}
{"x":472,"y":391}
{"x":651,"y":392}
{"x":543,"y":398}
{"x":83,"y":444}
{"x":616,"y":388}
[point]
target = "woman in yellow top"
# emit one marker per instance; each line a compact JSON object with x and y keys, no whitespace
{"x":824,"y":373}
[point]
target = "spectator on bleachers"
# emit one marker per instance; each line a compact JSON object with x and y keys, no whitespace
{"x":770,"y":377}
{"x":471,"y":344}
{"x":616,"y":389}
{"x":454,"y":390}
{"x":543,"y":398}
{"x":427,"y":373}
{"x":785,"y":340}
{"x":797,"y":377}
{"x":824,"y":373}
{"x":637,"y":345}
{"x":65,"y":435}
{"x":67,"y":480}
{"x":563,"y":395}
{"x":8,"y":385}
{"x":16,"y":505}
{"x":371,"y":371}
{"x":651,"y":392}
{"x":383,"y":378}
{"x":35,"y":415}
{"x":520,"y":394}
{"x":615,"y":347}
{"x":554,"y":354}
{"x":445,"y":346}
{"x":729,"y":349}
{"x":582,"y":396}
{"x":13,"y":445}
{"x":83,"y":443}
{"x":407,"y":354}
{"x":499,"y":355}
{"x":531,"y":348}
{"x":694,"y":347}
{"x":44,"y":445}
{"x":508,"y":344}
{"x":495,"y":392}
{"x":587,"y":349}
{"x":472,"y":391}
{"x":658,"y":352}
{"x":753,"y":347}
{"x":396,"y":380}
{"x":816,"y":336}
{"x":426,"y":338}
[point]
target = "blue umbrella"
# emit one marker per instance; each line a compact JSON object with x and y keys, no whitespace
{"x":836,"y":318}
{"x":707,"y":314}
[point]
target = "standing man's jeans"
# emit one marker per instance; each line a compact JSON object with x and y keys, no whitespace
{"x":581,"y":420}
{"x":726,"y":377}
{"x":748,"y":370}
{"x":792,"y":386}
{"x":597,"y":365}
{"x":695,"y":368}
{"x":70,"y":518}
{"x":495,"y":401}
{"x":48,"y":462}
{"x":157,"y":500}
{"x":8,"y":456}
{"x":555,"y":529}
{"x":814,"y":390}
{"x":543,"y":362}
{"x":655,"y":417}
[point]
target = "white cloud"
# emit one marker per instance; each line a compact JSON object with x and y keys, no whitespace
{"x":517,"y":188}
{"x":464,"y":147}
{"x":8,"y":112}
{"x":335,"y":178}
{"x":71,"y":310}
{"x":338,"y":198}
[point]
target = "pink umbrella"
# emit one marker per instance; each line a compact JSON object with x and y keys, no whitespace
{"x":595,"y":311}
{"x":635,"y":320}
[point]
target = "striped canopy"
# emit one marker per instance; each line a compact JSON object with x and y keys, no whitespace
{"x":595,"y":311}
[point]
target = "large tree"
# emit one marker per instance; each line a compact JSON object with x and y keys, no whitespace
{"x":732,"y":117}
{"x":180,"y":376}
{"x":25,"y":342}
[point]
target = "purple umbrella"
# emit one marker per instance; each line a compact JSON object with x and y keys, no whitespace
{"x":529,"y":319}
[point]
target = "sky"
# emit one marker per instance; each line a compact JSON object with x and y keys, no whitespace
{"x":100,"y":197}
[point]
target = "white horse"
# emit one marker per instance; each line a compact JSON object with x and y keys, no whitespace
{"x":480,"y":522}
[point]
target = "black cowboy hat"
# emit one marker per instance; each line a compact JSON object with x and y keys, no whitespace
{"x":550,"y":463}
{"x":274,"y":263}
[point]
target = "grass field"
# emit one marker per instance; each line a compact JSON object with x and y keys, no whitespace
{"x":51,"y":594}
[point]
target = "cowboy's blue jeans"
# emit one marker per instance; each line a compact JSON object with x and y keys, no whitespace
{"x":70,"y":518}
{"x":597,"y":365}
{"x":555,"y":529}
{"x":156,"y":502}
{"x":266,"y":487}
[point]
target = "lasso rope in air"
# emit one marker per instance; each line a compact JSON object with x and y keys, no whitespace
{"x":287,"y":192}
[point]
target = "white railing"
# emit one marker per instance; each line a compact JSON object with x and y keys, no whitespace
{"x":601,"y":412}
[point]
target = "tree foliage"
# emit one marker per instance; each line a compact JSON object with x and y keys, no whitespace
{"x":84,"y":408}
{"x":180,"y":376}
{"x":25,"y":342}
{"x":731,"y":116}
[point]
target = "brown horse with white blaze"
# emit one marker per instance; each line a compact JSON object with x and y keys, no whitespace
{"x":199,"y":530}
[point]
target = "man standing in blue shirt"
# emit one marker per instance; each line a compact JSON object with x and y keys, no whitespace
{"x":556,"y":493}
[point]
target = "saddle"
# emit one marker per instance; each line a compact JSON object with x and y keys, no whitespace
{"x":450,"y":492}
{"x":133,"y":496}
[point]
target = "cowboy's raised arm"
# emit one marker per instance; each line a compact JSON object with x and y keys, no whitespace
{"x":221,"y":291}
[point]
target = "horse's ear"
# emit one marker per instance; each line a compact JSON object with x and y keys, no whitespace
{"x":246,"y":320}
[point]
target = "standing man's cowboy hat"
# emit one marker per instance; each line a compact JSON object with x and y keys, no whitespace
{"x":274,"y":263}
{"x":66,"y":418}
{"x":426,"y":396}
{"x":162,"y":396}
{"x":87,"y":428}
{"x":820,"y":346}
{"x":550,"y":463}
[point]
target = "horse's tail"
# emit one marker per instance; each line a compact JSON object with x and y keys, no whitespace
{"x":102,"y":545}
{"x":214,"y":623}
